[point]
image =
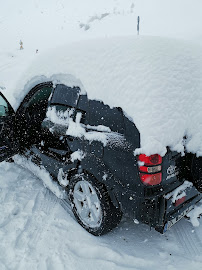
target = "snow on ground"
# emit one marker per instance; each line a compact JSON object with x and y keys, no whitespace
{"x":36,"y":233}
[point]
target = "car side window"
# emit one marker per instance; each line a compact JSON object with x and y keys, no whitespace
{"x":102,"y":114}
{"x":35,"y":112}
{"x":37,"y":104}
{"x":40,"y":96}
{"x":65,"y":95}
{"x":65,"y":100}
{"x":4,"y":109}
{"x":81,"y":115}
{"x":63,"y":112}
{"x":60,"y":108}
{"x":57,"y":113}
{"x":82,"y":107}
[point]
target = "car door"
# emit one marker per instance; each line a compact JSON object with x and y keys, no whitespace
{"x":8,"y":141}
{"x":53,"y":149}
{"x":31,"y":113}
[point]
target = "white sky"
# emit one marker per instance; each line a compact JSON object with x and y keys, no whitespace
{"x":49,"y":23}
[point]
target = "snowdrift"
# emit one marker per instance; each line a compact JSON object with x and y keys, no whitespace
{"x":156,"y":81}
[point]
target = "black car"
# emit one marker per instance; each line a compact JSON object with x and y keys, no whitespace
{"x":88,"y":150}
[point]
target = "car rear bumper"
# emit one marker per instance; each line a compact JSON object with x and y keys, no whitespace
{"x":160,"y":212}
{"x":174,"y":217}
{"x":165,"y":213}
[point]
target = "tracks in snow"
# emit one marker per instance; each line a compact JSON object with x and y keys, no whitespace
{"x":31,"y":238}
{"x":42,"y":210}
{"x":6,"y":66}
{"x":45,"y":202}
{"x":65,"y":203}
{"x":188,"y":238}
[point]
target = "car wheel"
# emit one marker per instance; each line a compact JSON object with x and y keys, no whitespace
{"x":92,"y":206}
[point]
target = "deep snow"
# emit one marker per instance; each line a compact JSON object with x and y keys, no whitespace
{"x":152,"y":71}
{"x":35,"y":231}
{"x":156,"y":81}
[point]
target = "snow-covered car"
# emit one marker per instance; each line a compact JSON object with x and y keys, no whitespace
{"x":103,"y":158}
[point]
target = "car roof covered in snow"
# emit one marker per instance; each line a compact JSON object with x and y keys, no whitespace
{"x":156,"y":81}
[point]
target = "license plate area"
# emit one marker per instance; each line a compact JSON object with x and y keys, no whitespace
{"x":179,"y":203}
{"x":180,"y":196}
{"x":173,"y":221}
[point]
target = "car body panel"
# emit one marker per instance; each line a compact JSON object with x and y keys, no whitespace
{"x":195,"y":168}
{"x":9,"y":142}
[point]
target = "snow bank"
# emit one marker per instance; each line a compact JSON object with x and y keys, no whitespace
{"x":157,"y":82}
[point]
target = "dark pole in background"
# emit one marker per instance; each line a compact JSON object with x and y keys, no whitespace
{"x":138,"y":25}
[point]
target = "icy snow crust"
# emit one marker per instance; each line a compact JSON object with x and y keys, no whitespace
{"x":156,"y":81}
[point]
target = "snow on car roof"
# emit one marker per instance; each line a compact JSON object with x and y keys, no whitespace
{"x":156,"y":81}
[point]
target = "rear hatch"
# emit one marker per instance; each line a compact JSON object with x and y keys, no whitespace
{"x":180,"y":194}
{"x":175,"y":195}
{"x":171,"y":169}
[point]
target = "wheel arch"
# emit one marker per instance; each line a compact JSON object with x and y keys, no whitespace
{"x":96,"y":168}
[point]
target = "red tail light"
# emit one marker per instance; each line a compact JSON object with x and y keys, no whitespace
{"x":180,"y":201}
{"x":150,"y":160}
{"x":150,"y":169}
{"x":151,"y":179}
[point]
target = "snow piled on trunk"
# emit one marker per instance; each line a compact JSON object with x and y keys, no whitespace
{"x":157,"y":82}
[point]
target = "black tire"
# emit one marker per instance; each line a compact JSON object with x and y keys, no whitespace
{"x":110,"y":215}
{"x":196,"y":170}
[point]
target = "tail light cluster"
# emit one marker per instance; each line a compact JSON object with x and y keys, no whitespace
{"x":180,"y":201}
{"x":150,"y":169}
